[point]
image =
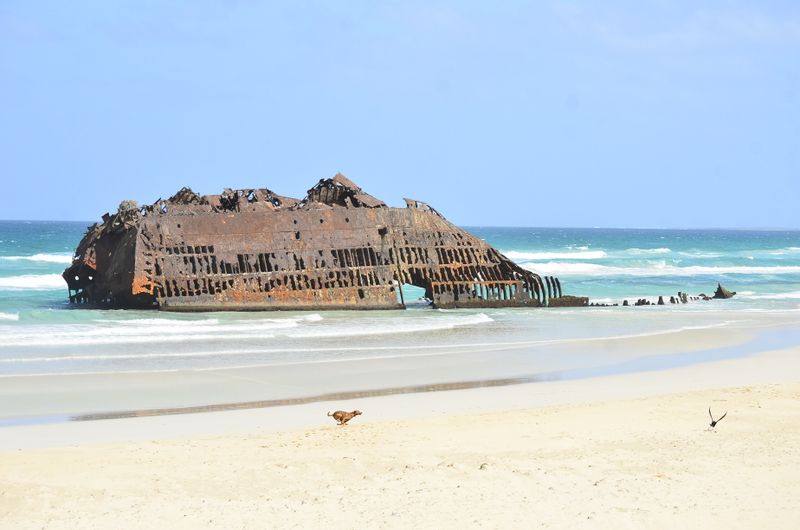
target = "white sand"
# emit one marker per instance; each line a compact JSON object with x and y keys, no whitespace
{"x":593,"y":453}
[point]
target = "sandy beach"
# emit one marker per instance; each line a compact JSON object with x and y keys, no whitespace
{"x":549,"y":250}
{"x":631,"y":450}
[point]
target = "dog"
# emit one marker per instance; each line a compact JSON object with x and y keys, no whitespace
{"x":342,"y":417}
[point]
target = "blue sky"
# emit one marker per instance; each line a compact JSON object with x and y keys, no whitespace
{"x":613,"y":114}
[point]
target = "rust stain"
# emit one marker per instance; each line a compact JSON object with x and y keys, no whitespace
{"x":252,"y":249}
{"x":141,"y":285}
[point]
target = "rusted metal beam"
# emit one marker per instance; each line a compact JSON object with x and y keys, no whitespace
{"x":339,"y":247}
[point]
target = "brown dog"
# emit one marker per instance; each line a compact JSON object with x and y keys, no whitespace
{"x":343,"y":417}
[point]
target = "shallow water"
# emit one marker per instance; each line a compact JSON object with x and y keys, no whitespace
{"x":40,"y":334}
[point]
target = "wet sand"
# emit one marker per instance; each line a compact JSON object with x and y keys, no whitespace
{"x":60,"y":397}
{"x":624,"y":450}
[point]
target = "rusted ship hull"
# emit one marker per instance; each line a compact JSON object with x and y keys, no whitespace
{"x":339,"y":248}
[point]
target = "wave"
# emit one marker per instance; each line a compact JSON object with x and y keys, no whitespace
{"x":432,"y":350}
{"x":37,"y":282}
{"x":784,"y":251}
{"x":394,"y":326}
{"x":159,"y":322}
{"x":591,"y":254}
{"x":47,"y":258}
{"x":9,"y":316}
{"x":161,"y":330}
{"x":640,"y":251}
{"x":234,"y":325}
{"x":112,"y":337}
{"x":656,"y":269}
{"x":171,"y":331}
{"x":749,"y":295}
{"x":700,"y":254}
{"x":583,"y":253}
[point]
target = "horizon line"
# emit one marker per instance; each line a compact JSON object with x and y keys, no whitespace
{"x":715,"y":228}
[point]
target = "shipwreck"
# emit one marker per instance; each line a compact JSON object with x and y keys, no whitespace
{"x":251,"y":249}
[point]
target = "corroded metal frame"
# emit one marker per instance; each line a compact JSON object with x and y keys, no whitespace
{"x":338,"y":248}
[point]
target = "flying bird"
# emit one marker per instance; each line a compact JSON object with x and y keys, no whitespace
{"x":713,"y":421}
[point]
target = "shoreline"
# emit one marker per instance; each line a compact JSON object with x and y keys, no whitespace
{"x":28,"y":399}
{"x":766,"y":367}
{"x":630,"y":462}
{"x":622,"y":450}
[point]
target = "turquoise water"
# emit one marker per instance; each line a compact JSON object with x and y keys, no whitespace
{"x":41,"y":334}
{"x":627,"y":263}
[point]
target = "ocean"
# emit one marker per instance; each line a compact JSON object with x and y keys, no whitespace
{"x":41,"y":334}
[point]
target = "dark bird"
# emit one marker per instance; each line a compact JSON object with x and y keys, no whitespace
{"x":713,"y":421}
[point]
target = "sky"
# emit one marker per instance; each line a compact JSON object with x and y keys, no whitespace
{"x":670,"y":114}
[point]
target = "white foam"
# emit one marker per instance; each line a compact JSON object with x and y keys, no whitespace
{"x":46,"y":258}
{"x":568,"y":269}
{"x":432,"y":350}
{"x":160,"y":322}
{"x":37,"y":282}
{"x":640,"y":251}
{"x":415,"y":325}
{"x":590,"y":254}
{"x":629,"y":298}
{"x":172,"y":331}
{"x":162,"y":330}
{"x":770,"y":296}
{"x":71,"y":339}
{"x":784,"y":251}
{"x":659,"y":268}
{"x":9,"y":316}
